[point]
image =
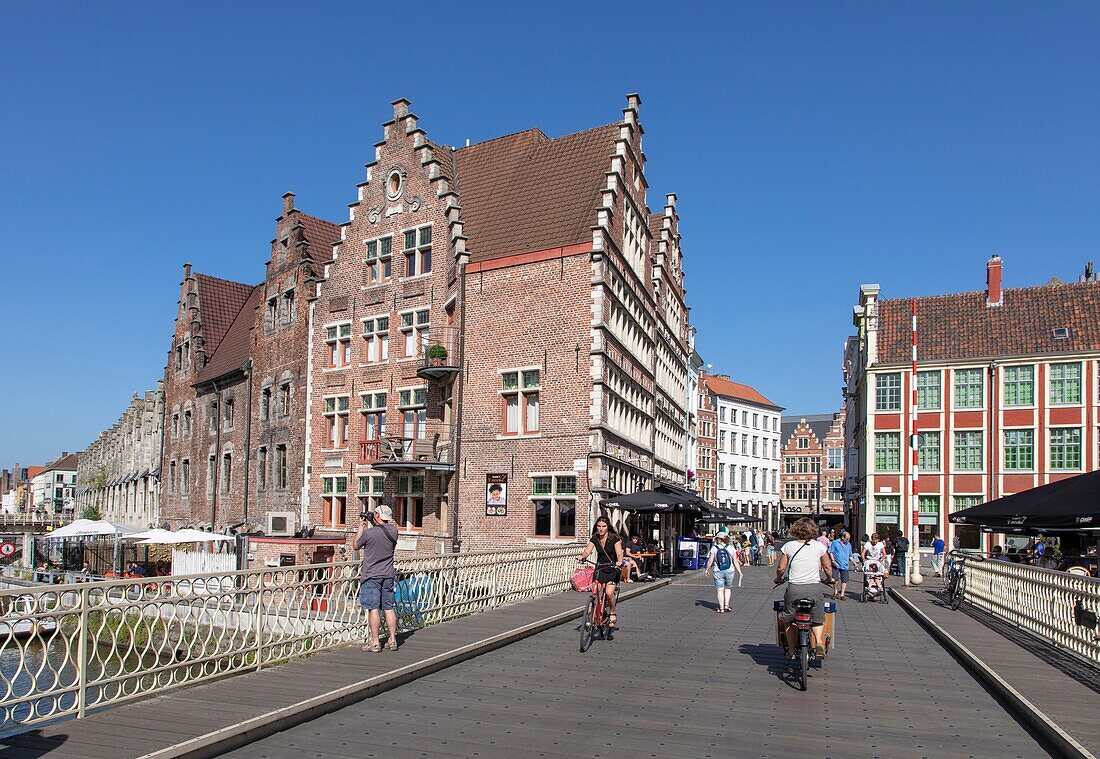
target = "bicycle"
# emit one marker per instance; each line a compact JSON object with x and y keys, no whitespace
{"x":597,"y":617}
{"x":803,"y":622}
{"x":954,"y":578}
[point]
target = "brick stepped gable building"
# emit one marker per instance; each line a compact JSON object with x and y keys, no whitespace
{"x":508,"y":311}
{"x":235,"y":394}
{"x":810,"y":445}
{"x":119,"y":472}
{"x":1007,"y":398}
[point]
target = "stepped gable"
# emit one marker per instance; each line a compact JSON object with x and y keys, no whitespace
{"x":962,"y":326}
{"x":219,"y":303}
{"x":819,"y":425}
{"x":321,"y":236}
{"x":235,"y":348}
{"x":526,"y":192}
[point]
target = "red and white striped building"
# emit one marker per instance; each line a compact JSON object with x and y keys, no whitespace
{"x":1003,"y":394}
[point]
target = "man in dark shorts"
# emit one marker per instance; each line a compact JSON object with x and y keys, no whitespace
{"x":378,"y":540}
{"x":840,"y":553}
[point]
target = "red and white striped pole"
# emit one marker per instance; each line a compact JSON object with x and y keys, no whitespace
{"x":912,"y":563}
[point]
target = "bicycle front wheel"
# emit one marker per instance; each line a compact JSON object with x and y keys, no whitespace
{"x":948,"y":578}
{"x":588,"y":625}
{"x":958,"y":592}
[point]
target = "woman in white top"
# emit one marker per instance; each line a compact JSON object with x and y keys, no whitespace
{"x":804,"y":560}
{"x":875,"y":549}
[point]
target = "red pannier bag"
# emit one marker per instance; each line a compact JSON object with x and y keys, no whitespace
{"x":582,"y":579}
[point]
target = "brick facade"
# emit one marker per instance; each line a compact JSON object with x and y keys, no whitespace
{"x":813,"y":445}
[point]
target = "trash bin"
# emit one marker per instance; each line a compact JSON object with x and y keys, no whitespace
{"x":688,"y":553}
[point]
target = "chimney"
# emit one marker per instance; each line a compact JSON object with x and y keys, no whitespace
{"x":288,"y":203}
{"x":993,"y":274}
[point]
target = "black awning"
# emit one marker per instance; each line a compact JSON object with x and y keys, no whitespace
{"x":725,"y":515}
{"x":1070,"y":504}
{"x":651,"y":501}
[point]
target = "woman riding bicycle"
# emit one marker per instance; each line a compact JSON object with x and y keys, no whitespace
{"x":609,"y":557}
{"x":803,"y":560}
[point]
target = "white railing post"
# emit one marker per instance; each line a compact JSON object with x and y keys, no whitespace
{"x":258,"y":612}
{"x":82,"y":656}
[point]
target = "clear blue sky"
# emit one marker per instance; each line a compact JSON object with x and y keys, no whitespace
{"x":813,"y":146}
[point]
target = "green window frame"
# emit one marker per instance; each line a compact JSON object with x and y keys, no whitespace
{"x":887,"y":451}
{"x":929,"y":395}
{"x":966,"y":501}
{"x":968,"y":450}
{"x":1065,"y":383}
{"x":968,"y":388}
{"x":887,"y":504}
{"x":888,"y":392}
{"x":928,"y":456}
{"x":1019,"y":450}
{"x":1019,"y":385}
{"x":1065,"y":448}
{"x":928,"y":504}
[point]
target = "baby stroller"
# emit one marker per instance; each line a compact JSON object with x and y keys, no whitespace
{"x":874,"y":582}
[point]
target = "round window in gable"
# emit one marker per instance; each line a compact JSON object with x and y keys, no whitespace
{"x":394,"y":184}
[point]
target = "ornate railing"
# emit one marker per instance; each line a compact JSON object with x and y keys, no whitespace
{"x":39,"y":519}
{"x":71,"y":648}
{"x":1055,"y":606}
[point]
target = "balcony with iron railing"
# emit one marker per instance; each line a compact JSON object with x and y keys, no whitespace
{"x":439,"y":354}
{"x":429,"y":448}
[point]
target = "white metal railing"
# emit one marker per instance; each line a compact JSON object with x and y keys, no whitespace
{"x":1043,"y":602}
{"x":70,"y":648}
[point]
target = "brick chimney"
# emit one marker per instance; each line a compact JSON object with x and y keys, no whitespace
{"x":288,"y":203}
{"x":993,"y":275}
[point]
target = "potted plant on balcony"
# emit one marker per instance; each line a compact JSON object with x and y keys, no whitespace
{"x":437,"y":354}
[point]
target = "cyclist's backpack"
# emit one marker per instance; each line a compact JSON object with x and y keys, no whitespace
{"x":722,"y":558}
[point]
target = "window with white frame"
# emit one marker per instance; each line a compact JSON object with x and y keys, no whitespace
{"x":376,"y":334}
{"x":1065,"y":383}
{"x":370,"y":491}
{"x":338,"y":338}
{"x":413,"y":405}
{"x":379,"y":259}
{"x":744,"y":478}
{"x":721,"y":440}
{"x":968,"y":388}
{"x":928,"y":391}
{"x":968,"y":450}
{"x":520,"y":393}
{"x":744,"y":444}
{"x":835,"y":458}
{"x":721,"y":476}
{"x":334,"y":501}
{"x":803,"y":442}
{"x":756,"y":421}
{"x":336,"y":418}
{"x":554,"y":502}
{"x":928,"y":455}
{"x":887,"y":452}
{"x":408,"y":511}
{"x":888,"y":392}
{"x":418,"y":251}
{"x":414,"y":329}
{"x":374,"y":415}
{"x":1065,"y":448}
{"x":1019,"y":449}
{"x":755,"y":444}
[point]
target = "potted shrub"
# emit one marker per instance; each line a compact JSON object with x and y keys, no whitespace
{"x":437,"y":354}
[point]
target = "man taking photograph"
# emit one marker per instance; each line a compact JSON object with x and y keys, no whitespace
{"x":378,"y":540}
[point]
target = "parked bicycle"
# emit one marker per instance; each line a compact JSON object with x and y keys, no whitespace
{"x":597,"y":616}
{"x":954,"y":577}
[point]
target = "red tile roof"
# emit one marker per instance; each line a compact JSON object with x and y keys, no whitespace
{"x":236,"y":347}
{"x":526,"y":192}
{"x":321,"y":236}
{"x":730,"y":389}
{"x":961,"y":326}
{"x":219,"y":303}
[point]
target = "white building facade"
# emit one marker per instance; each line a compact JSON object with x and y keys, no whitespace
{"x":54,"y":488}
{"x":747,"y":449}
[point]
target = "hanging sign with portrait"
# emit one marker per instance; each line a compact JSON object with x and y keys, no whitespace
{"x":496,"y":495}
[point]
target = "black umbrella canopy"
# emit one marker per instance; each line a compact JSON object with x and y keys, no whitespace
{"x":1070,"y":504}
{"x":650,"y":501}
{"x":724,"y":515}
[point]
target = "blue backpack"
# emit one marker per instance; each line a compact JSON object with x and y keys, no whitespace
{"x":722,"y":558}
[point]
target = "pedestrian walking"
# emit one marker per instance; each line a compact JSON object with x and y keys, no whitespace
{"x":724,"y":562}
{"x":901,"y":551}
{"x":378,"y":540}
{"x":840,"y":553}
{"x":938,"y":547}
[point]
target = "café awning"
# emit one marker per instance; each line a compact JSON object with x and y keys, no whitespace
{"x":653,"y":502}
{"x":1069,"y":504}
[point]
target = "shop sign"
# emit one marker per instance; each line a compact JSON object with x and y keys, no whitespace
{"x":496,"y":495}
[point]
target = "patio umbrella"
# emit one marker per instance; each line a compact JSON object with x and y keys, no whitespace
{"x":83,"y":528}
{"x":725,"y":515}
{"x":156,"y":536}
{"x":1070,"y":504}
{"x":652,"y":502}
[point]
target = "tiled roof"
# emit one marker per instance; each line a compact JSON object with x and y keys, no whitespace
{"x":961,"y":326}
{"x":235,"y":348}
{"x":819,"y":425}
{"x":321,"y":236}
{"x":219,"y":303}
{"x":730,"y":389}
{"x":526,"y":192}
{"x":65,"y":462}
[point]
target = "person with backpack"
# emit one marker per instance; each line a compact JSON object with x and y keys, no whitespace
{"x":901,"y":552}
{"x":724,"y":562}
